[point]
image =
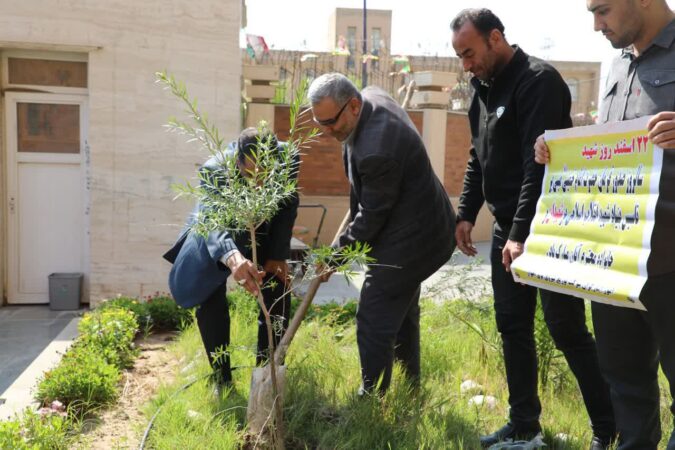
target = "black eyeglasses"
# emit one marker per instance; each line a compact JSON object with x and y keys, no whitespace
{"x":333,"y":121}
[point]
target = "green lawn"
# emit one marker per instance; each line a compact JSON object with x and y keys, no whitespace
{"x":459,"y":342}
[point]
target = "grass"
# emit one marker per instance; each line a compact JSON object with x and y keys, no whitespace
{"x":459,"y":342}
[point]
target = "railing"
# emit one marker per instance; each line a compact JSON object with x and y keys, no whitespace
{"x":385,"y":73}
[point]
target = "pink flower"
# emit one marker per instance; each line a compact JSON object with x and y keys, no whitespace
{"x":57,"y":406}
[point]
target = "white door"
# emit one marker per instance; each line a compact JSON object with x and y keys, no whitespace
{"x":46,"y":136}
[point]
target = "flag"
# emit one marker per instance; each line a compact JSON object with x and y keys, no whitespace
{"x":256,"y":46}
{"x":341,"y":47}
{"x":403,"y":62}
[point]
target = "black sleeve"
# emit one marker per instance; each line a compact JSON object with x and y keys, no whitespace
{"x":543,"y":103}
{"x":380,"y":184}
{"x":281,"y":225}
{"x":281,"y":230}
{"x":472,"y":198}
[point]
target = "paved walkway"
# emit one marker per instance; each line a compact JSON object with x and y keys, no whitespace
{"x":462,"y":277}
{"x":31,"y":338}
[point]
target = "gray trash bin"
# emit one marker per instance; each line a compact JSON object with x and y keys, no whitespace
{"x":65,"y":290}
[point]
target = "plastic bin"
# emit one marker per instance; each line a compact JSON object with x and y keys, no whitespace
{"x":65,"y":291}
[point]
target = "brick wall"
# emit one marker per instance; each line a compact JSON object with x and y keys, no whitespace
{"x":457,"y":143}
{"x":322,"y":171}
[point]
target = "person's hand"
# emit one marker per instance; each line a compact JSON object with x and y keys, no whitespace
{"x":662,"y":129}
{"x":541,"y":153}
{"x":511,"y":251}
{"x":463,"y":238}
{"x":277,"y":268}
{"x":245,"y":273}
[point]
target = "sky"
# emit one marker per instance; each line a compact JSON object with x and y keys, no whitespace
{"x":552,"y":29}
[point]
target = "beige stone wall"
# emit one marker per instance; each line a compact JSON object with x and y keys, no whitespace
{"x":587,"y":77}
{"x":133,"y":219}
{"x":353,"y":17}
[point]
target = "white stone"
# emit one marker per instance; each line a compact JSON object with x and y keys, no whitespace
{"x":260,"y":91}
{"x":433,"y":98}
{"x":485,"y":401}
{"x":261,"y":72}
{"x":192,"y":414}
{"x":435,"y":78}
{"x":470,"y":386}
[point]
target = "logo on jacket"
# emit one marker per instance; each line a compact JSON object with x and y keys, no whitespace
{"x":500,"y":111}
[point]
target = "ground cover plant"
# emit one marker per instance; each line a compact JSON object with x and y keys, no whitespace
{"x":87,"y":377}
{"x":462,"y":377}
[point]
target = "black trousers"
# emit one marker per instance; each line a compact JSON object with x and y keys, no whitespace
{"x":213,"y":320}
{"x":388,"y":328}
{"x":631,"y":344}
{"x":565,"y":317}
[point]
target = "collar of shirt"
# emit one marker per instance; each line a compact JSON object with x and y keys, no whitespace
{"x":505,"y":74}
{"x":664,"y":40}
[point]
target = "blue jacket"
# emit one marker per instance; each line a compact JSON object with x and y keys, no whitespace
{"x":197,"y":271}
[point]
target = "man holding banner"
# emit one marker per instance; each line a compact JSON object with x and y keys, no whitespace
{"x":516,"y":98}
{"x":632,"y":342}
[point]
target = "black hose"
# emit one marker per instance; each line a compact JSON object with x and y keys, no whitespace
{"x":159,"y":408}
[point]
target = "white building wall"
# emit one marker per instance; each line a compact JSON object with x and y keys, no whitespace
{"x":132,"y":216}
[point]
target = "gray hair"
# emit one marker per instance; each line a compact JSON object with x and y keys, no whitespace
{"x":333,"y":85}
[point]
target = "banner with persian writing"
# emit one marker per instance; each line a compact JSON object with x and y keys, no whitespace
{"x":591,"y":235}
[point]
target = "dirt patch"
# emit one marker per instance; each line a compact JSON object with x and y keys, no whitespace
{"x":118,"y":427}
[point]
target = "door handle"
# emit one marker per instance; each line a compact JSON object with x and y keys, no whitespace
{"x":12,"y":204}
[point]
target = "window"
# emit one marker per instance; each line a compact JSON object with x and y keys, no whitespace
{"x":573,"y":85}
{"x":46,"y":72}
{"x":376,"y":39}
{"x":351,"y":39}
{"x":48,"y":128}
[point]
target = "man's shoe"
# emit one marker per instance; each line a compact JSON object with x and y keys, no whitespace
{"x":598,"y":443}
{"x":510,"y":432}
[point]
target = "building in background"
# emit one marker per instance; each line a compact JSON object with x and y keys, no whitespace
{"x":390,"y":71}
{"x":86,"y":166}
{"x":322,"y":180}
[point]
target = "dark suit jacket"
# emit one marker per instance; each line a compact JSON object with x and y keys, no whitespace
{"x":197,"y":271}
{"x":398,"y":205}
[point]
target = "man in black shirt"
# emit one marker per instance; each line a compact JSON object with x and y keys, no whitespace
{"x":516,"y":98}
{"x":632,"y":343}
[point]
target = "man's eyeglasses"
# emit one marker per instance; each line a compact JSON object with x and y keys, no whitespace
{"x":333,"y":121}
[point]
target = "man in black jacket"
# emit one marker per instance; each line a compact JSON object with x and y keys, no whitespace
{"x":399,"y":207}
{"x":516,"y":98}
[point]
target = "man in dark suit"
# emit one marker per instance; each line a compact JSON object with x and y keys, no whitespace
{"x":399,"y":207}
{"x":201,"y":267}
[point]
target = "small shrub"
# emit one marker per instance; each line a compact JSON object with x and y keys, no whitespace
{"x":243,"y":302}
{"x":45,"y":432}
{"x":166,"y":314}
{"x":11,"y":435}
{"x":83,"y":381}
{"x":34,"y":431}
{"x":110,"y":332}
{"x":139,"y":308}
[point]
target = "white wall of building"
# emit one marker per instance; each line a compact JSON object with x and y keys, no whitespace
{"x":132,"y":216}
